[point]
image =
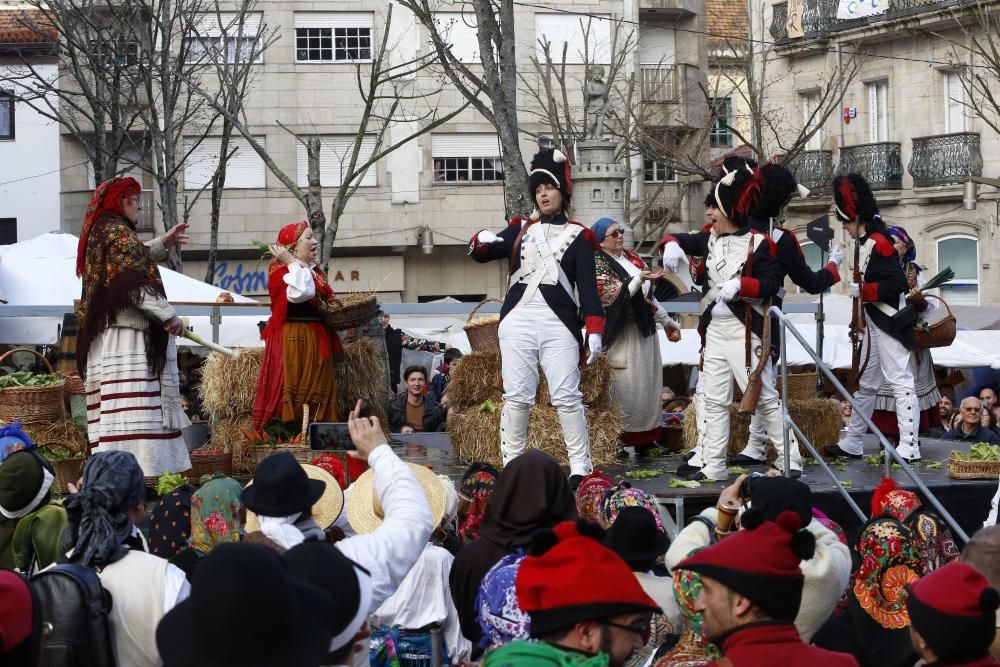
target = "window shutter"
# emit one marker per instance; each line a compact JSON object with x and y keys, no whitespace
{"x":335,"y":157}
{"x":213,"y":25}
{"x":459,"y":30}
{"x":465,"y":145}
{"x":954,"y":107}
{"x":558,"y":29}
{"x":245,"y":168}
{"x":656,"y":46}
{"x":333,"y":19}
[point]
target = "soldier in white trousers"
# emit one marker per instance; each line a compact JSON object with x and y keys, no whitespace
{"x":552,"y":263}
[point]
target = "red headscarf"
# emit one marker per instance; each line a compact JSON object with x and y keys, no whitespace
{"x":290,"y":233}
{"x":107,"y":199}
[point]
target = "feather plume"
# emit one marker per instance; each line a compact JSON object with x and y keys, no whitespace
{"x":848,"y":198}
{"x":748,"y":196}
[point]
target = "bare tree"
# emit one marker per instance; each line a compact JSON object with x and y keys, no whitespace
{"x":391,"y":97}
{"x":975,"y":56}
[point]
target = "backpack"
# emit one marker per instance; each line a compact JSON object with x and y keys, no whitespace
{"x":76,"y":607}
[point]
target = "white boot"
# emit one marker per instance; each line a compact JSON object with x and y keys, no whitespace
{"x":907,"y":418}
{"x":513,"y":430}
{"x":574,"y":427}
{"x":757,"y":442}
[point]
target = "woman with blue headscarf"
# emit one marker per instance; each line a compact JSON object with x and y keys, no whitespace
{"x":921,"y":363}
{"x":624,"y":282}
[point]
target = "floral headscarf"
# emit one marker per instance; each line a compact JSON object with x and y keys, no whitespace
{"x":889,"y":500}
{"x":589,"y":495}
{"x":911,"y":248}
{"x":107,"y":198}
{"x":889,"y":561}
{"x":625,"y":495}
{"x":500,"y":617}
{"x":215,"y":514}
{"x":170,"y":523}
{"x":692,"y":648}
{"x":473,"y":492}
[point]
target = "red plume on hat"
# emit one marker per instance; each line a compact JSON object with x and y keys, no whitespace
{"x":749,"y":195}
{"x":848,"y":204}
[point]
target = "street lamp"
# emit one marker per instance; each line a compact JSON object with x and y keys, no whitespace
{"x":969,"y":196}
{"x":426,"y":240}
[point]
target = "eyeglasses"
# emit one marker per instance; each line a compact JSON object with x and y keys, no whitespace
{"x":971,"y":409}
{"x":641,"y":630}
{"x":615,"y":234}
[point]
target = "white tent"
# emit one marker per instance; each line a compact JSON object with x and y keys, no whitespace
{"x":42,"y":272}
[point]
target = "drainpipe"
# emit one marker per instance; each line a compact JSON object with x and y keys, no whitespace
{"x":840,"y":87}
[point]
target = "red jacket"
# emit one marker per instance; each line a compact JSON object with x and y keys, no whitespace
{"x":769,"y":643}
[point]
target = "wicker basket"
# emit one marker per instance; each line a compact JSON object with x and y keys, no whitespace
{"x":74,"y":384}
{"x":959,"y":468}
{"x":68,"y":471}
{"x":939,"y":334}
{"x":349,"y":310}
{"x":672,"y":438}
{"x":484,"y":336}
{"x":32,"y":405}
{"x":207,"y":462}
{"x":301,"y":452}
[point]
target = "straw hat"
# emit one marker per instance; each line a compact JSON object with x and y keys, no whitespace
{"x":364,"y":511}
{"x":324,"y":511}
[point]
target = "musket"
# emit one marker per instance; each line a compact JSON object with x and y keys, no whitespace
{"x":857,"y":318}
{"x":752,"y":394}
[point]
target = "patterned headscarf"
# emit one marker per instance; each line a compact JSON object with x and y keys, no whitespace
{"x":911,"y":248}
{"x":589,"y":495}
{"x":889,"y":500}
{"x":170,"y":523}
{"x":113,"y":484}
{"x":500,"y":617}
{"x":476,"y":488}
{"x":692,"y":648}
{"x":13,"y":439}
{"x":889,"y":561}
{"x":215,"y":514}
{"x":107,"y":198}
{"x":289,"y":235}
{"x":625,"y":495}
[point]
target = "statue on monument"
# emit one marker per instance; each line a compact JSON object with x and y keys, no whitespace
{"x":596,"y":100}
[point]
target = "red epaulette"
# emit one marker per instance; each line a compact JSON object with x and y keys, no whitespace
{"x":772,"y":248}
{"x":708,"y":227}
{"x":795,"y":240}
{"x":667,"y":238}
{"x":883,"y":246}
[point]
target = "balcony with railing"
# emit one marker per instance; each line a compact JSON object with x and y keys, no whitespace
{"x":813,"y":169}
{"x":673,"y":95}
{"x":779,"y":21}
{"x":658,"y":83}
{"x":819,"y":17}
{"x":945,"y":159}
{"x":880,"y":164}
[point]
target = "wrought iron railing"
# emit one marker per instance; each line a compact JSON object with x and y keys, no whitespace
{"x":658,"y":83}
{"x":813,"y":169}
{"x":945,"y":159}
{"x":879,"y":163}
{"x":818,"y":16}
{"x":779,"y":21}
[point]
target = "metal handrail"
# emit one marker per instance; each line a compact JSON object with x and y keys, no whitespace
{"x":786,"y":325}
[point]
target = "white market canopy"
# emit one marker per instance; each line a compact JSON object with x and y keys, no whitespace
{"x":42,"y":272}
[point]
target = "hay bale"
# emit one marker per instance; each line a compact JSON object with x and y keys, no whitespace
{"x":818,"y":418}
{"x":475,"y":434}
{"x":226,"y":436}
{"x":361,"y":375}
{"x":473,"y":380}
{"x":229,"y":384}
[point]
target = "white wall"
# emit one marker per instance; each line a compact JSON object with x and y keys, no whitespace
{"x":25,"y":193}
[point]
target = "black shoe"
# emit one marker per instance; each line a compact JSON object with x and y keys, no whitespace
{"x":646,"y":451}
{"x":834,"y":452}
{"x":912,"y":461}
{"x":574,"y":482}
{"x":744,"y":460}
{"x":794,"y":474}
{"x":621,"y":454}
{"x":686,"y":469}
{"x":688,"y":456}
{"x":697,"y":476}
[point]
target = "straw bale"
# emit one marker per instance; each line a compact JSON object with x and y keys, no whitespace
{"x":361,"y":375}
{"x":226,"y":436}
{"x":475,"y":433}
{"x":229,"y":384}
{"x":819,"y":419}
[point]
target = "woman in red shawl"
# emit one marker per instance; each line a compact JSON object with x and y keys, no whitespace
{"x":299,"y":349}
{"x":124,"y":347}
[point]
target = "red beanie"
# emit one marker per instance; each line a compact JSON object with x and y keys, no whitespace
{"x":576,"y":579}
{"x":954,"y":609}
{"x":760,"y":562}
{"x":17,"y":611}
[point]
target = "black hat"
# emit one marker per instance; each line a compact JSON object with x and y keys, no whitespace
{"x":737,"y":192}
{"x":730,"y":163}
{"x":551,"y":166}
{"x":853,"y":198}
{"x":779,"y":188}
{"x":281,"y":487}
{"x":774,"y":495}
{"x":247,"y":610}
{"x":635,"y":537}
{"x":348,"y":584}
{"x":25,"y":483}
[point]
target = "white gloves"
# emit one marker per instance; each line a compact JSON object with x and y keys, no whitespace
{"x":594,"y":345}
{"x":672,"y":256}
{"x":837,"y":256}
{"x":730,"y":289}
{"x":487,"y":236}
{"x":854,"y":290}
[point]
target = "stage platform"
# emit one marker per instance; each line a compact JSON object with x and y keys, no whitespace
{"x":967,"y":500}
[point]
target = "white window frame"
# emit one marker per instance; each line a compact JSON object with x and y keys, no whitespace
{"x":334,"y":158}
{"x":953,"y":104}
{"x":9,"y":99}
{"x":660,"y":170}
{"x":448,"y":155}
{"x":810,"y":102}
{"x":559,"y":28}
{"x":956,"y":282}
{"x":215,"y":32}
{"x":719,"y":136}
{"x":878,"y":111}
{"x":201,"y":162}
{"x":461,"y":37}
{"x":333,"y":21}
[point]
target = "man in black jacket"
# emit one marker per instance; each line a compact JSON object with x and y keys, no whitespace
{"x":887,"y":344}
{"x":971,"y":429}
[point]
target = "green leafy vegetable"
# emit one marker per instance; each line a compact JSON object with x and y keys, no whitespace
{"x":980,"y":452}
{"x":933,"y":465}
{"x":643,"y":474}
{"x":54,"y":454}
{"x":873,"y":459}
{"x":736,"y":470}
{"x":169,"y":482}
{"x":488,"y":406}
{"x":684,"y":484}
{"x":28,"y":379}
{"x":847,"y":484}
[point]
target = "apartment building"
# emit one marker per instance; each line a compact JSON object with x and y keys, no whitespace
{"x":405,"y":230}
{"x":904,"y":124}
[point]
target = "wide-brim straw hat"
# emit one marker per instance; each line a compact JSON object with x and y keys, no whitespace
{"x":364,"y":511}
{"x":324,"y":511}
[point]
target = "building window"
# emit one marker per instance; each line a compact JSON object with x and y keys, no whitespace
{"x":227,"y":38}
{"x":954,"y":103}
{"x":961,"y":253}
{"x":244,"y":170}
{"x":6,"y":115}
{"x":466,"y":158}
{"x":810,"y":106}
{"x":585,"y":42}
{"x":878,"y":111}
{"x":113,"y":55}
{"x":459,"y":32}
{"x":656,"y":172}
{"x":331,"y":37}
{"x":334,"y":160}
{"x":8,"y":231}
{"x":721,"y":137}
